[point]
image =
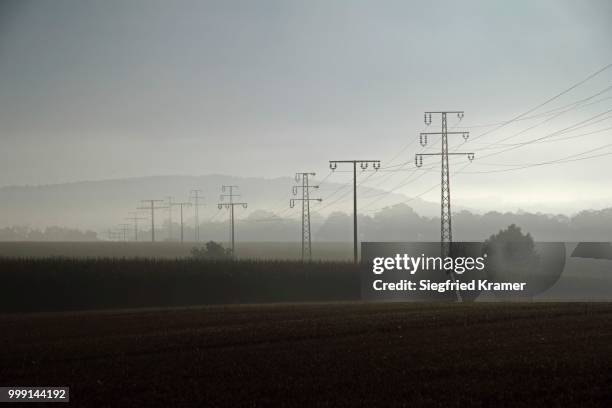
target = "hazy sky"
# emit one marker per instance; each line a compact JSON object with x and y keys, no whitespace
{"x":109,"y":89}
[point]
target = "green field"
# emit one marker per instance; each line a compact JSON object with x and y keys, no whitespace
{"x":335,"y":354}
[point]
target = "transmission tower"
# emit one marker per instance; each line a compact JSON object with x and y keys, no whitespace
{"x":446,"y":232}
{"x":333,"y":164}
{"x":182,"y":205}
{"x":112,"y":235}
{"x":170,"y":205}
{"x":135,"y":218}
{"x":196,"y":197}
{"x":306,"y":241}
{"x":230,"y":205}
{"x":124,"y":230}
{"x":152,"y":207}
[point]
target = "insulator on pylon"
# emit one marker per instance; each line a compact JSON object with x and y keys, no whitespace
{"x":471,"y":156}
{"x":294,"y":190}
{"x":418,"y":161}
{"x":376,"y":165}
{"x":333,"y":166}
{"x":364,"y":165}
{"x":460,"y":115}
{"x":220,"y":206}
{"x":466,"y":135}
{"x":245,"y":205}
{"x":423,"y":139}
{"x":291,"y":203}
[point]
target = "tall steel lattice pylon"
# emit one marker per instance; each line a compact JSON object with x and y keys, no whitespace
{"x":230,"y":206}
{"x":306,"y":237}
{"x":446,"y":231}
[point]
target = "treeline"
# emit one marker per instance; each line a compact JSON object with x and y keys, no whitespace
{"x":18,"y":233}
{"x":396,"y":223}
{"x":402,"y":223}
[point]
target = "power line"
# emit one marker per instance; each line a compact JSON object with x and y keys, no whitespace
{"x":573,"y":128}
{"x":544,"y":114}
{"x":567,"y":159}
{"x":541,"y":122}
{"x":599,"y":71}
{"x":528,"y":142}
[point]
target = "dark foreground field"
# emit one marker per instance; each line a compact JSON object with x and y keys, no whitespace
{"x":343,"y":354}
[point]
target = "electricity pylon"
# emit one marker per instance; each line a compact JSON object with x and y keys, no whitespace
{"x":112,"y":235}
{"x":333,"y":164}
{"x":124,"y":229}
{"x":135,"y":218}
{"x":170,"y":205}
{"x":446,"y":232}
{"x":306,"y":241}
{"x":195,"y":196}
{"x":230,"y":206}
{"x":152,"y":207}
{"x":182,"y":205}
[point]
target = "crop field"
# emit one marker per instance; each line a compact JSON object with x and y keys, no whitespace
{"x":332,"y":251}
{"x":319,"y":354}
{"x":58,"y":284}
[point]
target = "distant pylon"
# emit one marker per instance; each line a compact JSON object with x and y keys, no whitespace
{"x":182,"y":205}
{"x":333,"y":164}
{"x":124,"y":229}
{"x":306,"y":239}
{"x":152,"y":208}
{"x":230,"y":206}
{"x":135,"y":218}
{"x":170,"y":205}
{"x":196,"y":197}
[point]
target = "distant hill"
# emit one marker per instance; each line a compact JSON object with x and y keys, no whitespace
{"x":98,"y":205}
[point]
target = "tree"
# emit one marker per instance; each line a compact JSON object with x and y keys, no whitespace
{"x":212,"y":251}
{"x":511,"y":256}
